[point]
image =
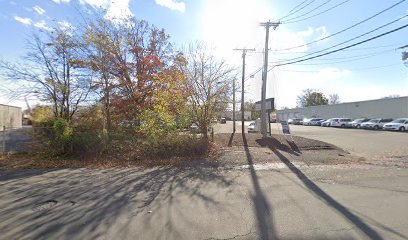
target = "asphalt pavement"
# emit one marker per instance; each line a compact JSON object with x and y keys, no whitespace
{"x":281,"y":199}
{"x":366,"y":143}
{"x":254,"y":201}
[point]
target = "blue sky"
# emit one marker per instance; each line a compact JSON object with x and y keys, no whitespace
{"x":368,"y":71}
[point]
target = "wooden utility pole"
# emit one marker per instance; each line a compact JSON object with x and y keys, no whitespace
{"x":267,"y":25}
{"x":233,"y":106}
{"x":244,"y":51}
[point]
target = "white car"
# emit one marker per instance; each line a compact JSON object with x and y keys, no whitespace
{"x":376,"y":123}
{"x":251,"y":127}
{"x":340,"y":122}
{"x":400,"y":124}
{"x":327,"y":122}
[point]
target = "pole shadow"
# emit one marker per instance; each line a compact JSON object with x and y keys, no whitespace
{"x":263,"y":210}
{"x":322,"y":195}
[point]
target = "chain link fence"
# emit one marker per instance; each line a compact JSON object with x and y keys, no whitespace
{"x":25,"y":139}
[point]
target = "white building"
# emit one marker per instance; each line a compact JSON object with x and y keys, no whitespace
{"x":10,"y":117}
{"x":228,"y":115}
{"x":379,"y":108}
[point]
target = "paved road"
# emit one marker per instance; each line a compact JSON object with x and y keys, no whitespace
{"x":250,"y":202}
{"x":367,"y":143}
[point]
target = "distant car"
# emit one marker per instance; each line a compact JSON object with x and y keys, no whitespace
{"x":376,"y":123}
{"x":194,"y":127}
{"x":214,"y":120}
{"x":305,"y":121}
{"x":295,"y":121}
{"x":400,"y":124}
{"x":223,"y":120}
{"x":340,"y":122}
{"x":313,"y":122}
{"x":356,"y":123}
{"x":327,"y":122}
{"x":251,"y":127}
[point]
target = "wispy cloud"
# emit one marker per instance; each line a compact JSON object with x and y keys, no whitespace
{"x":115,"y":9}
{"x":172,"y":4}
{"x":25,"y":21}
{"x":323,"y":32}
{"x":42,"y":25}
{"x":65,"y":25}
{"x":38,"y":10}
{"x":61,"y":1}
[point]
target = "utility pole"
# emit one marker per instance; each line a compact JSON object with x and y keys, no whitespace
{"x":233,"y":106}
{"x":267,"y":25}
{"x":244,"y":51}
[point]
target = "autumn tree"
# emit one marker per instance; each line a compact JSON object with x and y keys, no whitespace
{"x":209,"y":82}
{"x":334,"y":98}
{"x":138,"y":72}
{"x":49,"y":72}
{"x":99,"y":47}
{"x":310,"y":97}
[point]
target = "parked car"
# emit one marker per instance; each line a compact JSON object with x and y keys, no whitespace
{"x":376,"y":123}
{"x":295,"y":121}
{"x":340,"y":122}
{"x":223,"y":120}
{"x":251,"y":127}
{"x":356,"y":123}
{"x":306,"y":121}
{"x":400,"y":124}
{"x":313,"y":122}
{"x":327,"y":122}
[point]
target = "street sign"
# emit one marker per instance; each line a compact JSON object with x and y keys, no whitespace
{"x":269,"y":104}
{"x":285,"y":127}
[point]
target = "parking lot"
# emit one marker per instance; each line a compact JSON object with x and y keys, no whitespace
{"x":365,"y":143}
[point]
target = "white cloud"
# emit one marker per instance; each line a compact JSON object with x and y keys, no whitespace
{"x":25,"y":21}
{"x":323,"y":33}
{"x":115,"y":9}
{"x":172,"y":4}
{"x":42,"y":25}
{"x":61,"y":1}
{"x":38,"y":10}
{"x":309,"y":32}
{"x":65,"y":25}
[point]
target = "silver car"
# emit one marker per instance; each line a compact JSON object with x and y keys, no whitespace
{"x":400,"y":124}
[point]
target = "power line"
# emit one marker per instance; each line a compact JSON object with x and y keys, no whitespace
{"x":346,"y":29}
{"x":317,"y":14}
{"x":294,"y":11}
{"x":350,"y":59}
{"x":355,"y":49}
{"x":346,"y":47}
{"x":352,"y":69}
{"x":359,"y":36}
{"x":314,"y":9}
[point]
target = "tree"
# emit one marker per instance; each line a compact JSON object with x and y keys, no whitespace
{"x":209,"y":82}
{"x":138,"y":72}
{"x":50,"y":72}
{"x":310,"y":97}
{"x":334,"y":98}
{"x":250,"y":106}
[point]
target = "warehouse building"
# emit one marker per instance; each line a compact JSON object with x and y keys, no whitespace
{"x":379,"y":108}
{"x":10,"y":117}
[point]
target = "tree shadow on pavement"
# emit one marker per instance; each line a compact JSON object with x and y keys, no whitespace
{"x":263,"y":210}
{"x":85,"y":203}
{"x":323,"y":196}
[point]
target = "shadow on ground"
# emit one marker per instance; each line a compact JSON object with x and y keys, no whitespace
{"x":83,"y":204}
{"x":319,"y":193}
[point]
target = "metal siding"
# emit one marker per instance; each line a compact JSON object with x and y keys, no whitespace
{"x":10,"y":116}
{"x":381,"y":108}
